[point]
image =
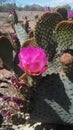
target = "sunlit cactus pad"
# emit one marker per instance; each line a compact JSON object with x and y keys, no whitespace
{"x":64,"y":33}
{"x":44,"y":30}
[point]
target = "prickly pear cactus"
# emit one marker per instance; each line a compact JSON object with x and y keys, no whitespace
{"x":21,"y":33}
{"x":64,"y":35}
{"x":6,"y":51}
{"x":44,"y":31}
{"x":63,"y":12}
{"x":53,"y":100}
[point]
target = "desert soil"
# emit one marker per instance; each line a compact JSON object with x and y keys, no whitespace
{"x":4,"y":19}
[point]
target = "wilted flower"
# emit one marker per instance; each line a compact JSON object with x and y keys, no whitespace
{"x":6,"y":98}
{"x":14,"y":37}
{"x":12,"y":10}
{"x":33,"y":60}
{"x":5,"y":113}
{"x":17,"y":102}
{"x":16,"y":83}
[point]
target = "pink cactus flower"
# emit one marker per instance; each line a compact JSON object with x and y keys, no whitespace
{"x":70,"y":14}
{"x":33,"y":60}
{"x":47,"y":9}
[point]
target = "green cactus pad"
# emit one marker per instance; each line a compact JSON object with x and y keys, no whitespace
{"x":44,"y":31}
{"x":63,"y":12}
{"x":64,"y":34}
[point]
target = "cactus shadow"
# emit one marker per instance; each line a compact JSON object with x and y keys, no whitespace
{"x":51,"y":88}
